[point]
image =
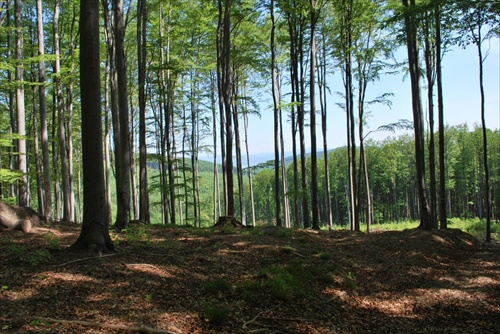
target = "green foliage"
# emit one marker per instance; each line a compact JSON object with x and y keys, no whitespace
{"x":54,"y":241}
{"x":283,"y":283}
{"x":325,"y":256}
{"x":16,"y":250}
{"x":38,"y":322}
{"x":350,"y":281}
{"x":215,"y":314}
{"x":217,"y":286}
{"x":474,"y":226}
{"x":37,"y":257}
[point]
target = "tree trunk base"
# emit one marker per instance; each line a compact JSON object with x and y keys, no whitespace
{"x":229,"y":221}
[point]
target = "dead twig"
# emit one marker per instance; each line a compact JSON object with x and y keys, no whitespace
{"x":300,"y":255}
{"x":85,"y":259}
{"x":257,"y":316}
{"x":146,"y":330}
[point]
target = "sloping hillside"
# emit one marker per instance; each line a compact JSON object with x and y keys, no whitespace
{"x":260,"y":280}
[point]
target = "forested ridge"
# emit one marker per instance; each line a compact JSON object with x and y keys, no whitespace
{"x":160,"y":82}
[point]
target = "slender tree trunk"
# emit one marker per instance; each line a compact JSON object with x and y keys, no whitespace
{"x":169,"y":123}
{"x":123,"y":183}
{"x":312,"y":125}
{"x":107,"y":142}
{"x":249,"y":168}
{"x":226,"y":93}
{"x":439,"y":76}
{"x":220,"y":91}
{"x":144,"y":213}
{"x":23,"y":186}
{"x":63,"y":156}
{"x":277,"y":197}
{"x":47,"y":200}
{"x":69,"y":138}
{"x":286,"y":197}
{"x":413,"y":59}
{"x":12,"y":112}
{"x":239,"y":162}
{"x":39,"y":167}
{"x":296,"y":198}
{"x":322,"y":96}
{"x":301,"y":122}
{"x":487,"y":189}
{"x":216,"y":194}
{"x":430,"y":55}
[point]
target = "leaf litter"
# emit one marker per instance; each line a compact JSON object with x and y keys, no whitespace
{"x":250,"y":280}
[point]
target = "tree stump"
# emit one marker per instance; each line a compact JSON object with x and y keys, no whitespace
{"x":15,"y":217}
{"x":229,"y":221}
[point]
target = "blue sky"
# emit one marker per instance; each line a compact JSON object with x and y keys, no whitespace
{"x":461,"y":101}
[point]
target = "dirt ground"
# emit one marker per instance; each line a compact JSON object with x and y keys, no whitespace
{"x":255,"y":280}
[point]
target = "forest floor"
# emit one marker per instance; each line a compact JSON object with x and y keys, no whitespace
{"x":250,"y":280}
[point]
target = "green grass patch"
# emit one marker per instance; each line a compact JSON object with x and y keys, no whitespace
{"x":16,"y":250}
{"x":284,"y":283}
{"x":215,"y":314}
{"x":474,"y":226}
{"x":218,"y":285}
{"x":38,"y":257}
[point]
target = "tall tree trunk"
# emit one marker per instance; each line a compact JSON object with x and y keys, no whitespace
{"x":413,"y":59}
{"x":323,"y":105}
{"x":12,"y":112}
{"x":312,"y":125}
{"x":123,"y":183}
{"x":294,"y":76}
{"x":249,"y":168}
{"x":439,"y":76}
{"x":226,"y":93}
{"x":220,"y":91}
{"x":107,"y":142}
{"x":284,"y":180}
{"x":487,"y":189}
{"x":144,"y":213}
{"x":430,"y":56}
{"x":277,"y":197}
{"x":216,"y":193}
{"x":63,"y":156}
{"x":94,"y":231}
{"x":39,"y":167}
{"x":56,"y":163}
{"x":237,"y":141}
{"x":113,"y":81}
{"x":47,"y":200}
{"x":23,"y":186}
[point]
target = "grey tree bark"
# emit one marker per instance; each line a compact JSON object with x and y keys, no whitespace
{"x":95,"y":227}
{"x":47,"y":198}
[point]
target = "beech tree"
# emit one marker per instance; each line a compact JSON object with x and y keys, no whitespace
{"x":411,"y":22}
{"x":477,"y":15}
{"x":95,"y":226}
{"x":22,"y":165}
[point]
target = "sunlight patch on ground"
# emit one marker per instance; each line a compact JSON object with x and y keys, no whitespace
{"x":56,"y":277}
{"x":19,"y":295}
{"x":149,"y":269}
{"x":173,"y":321}
{"x":479,"y":281}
